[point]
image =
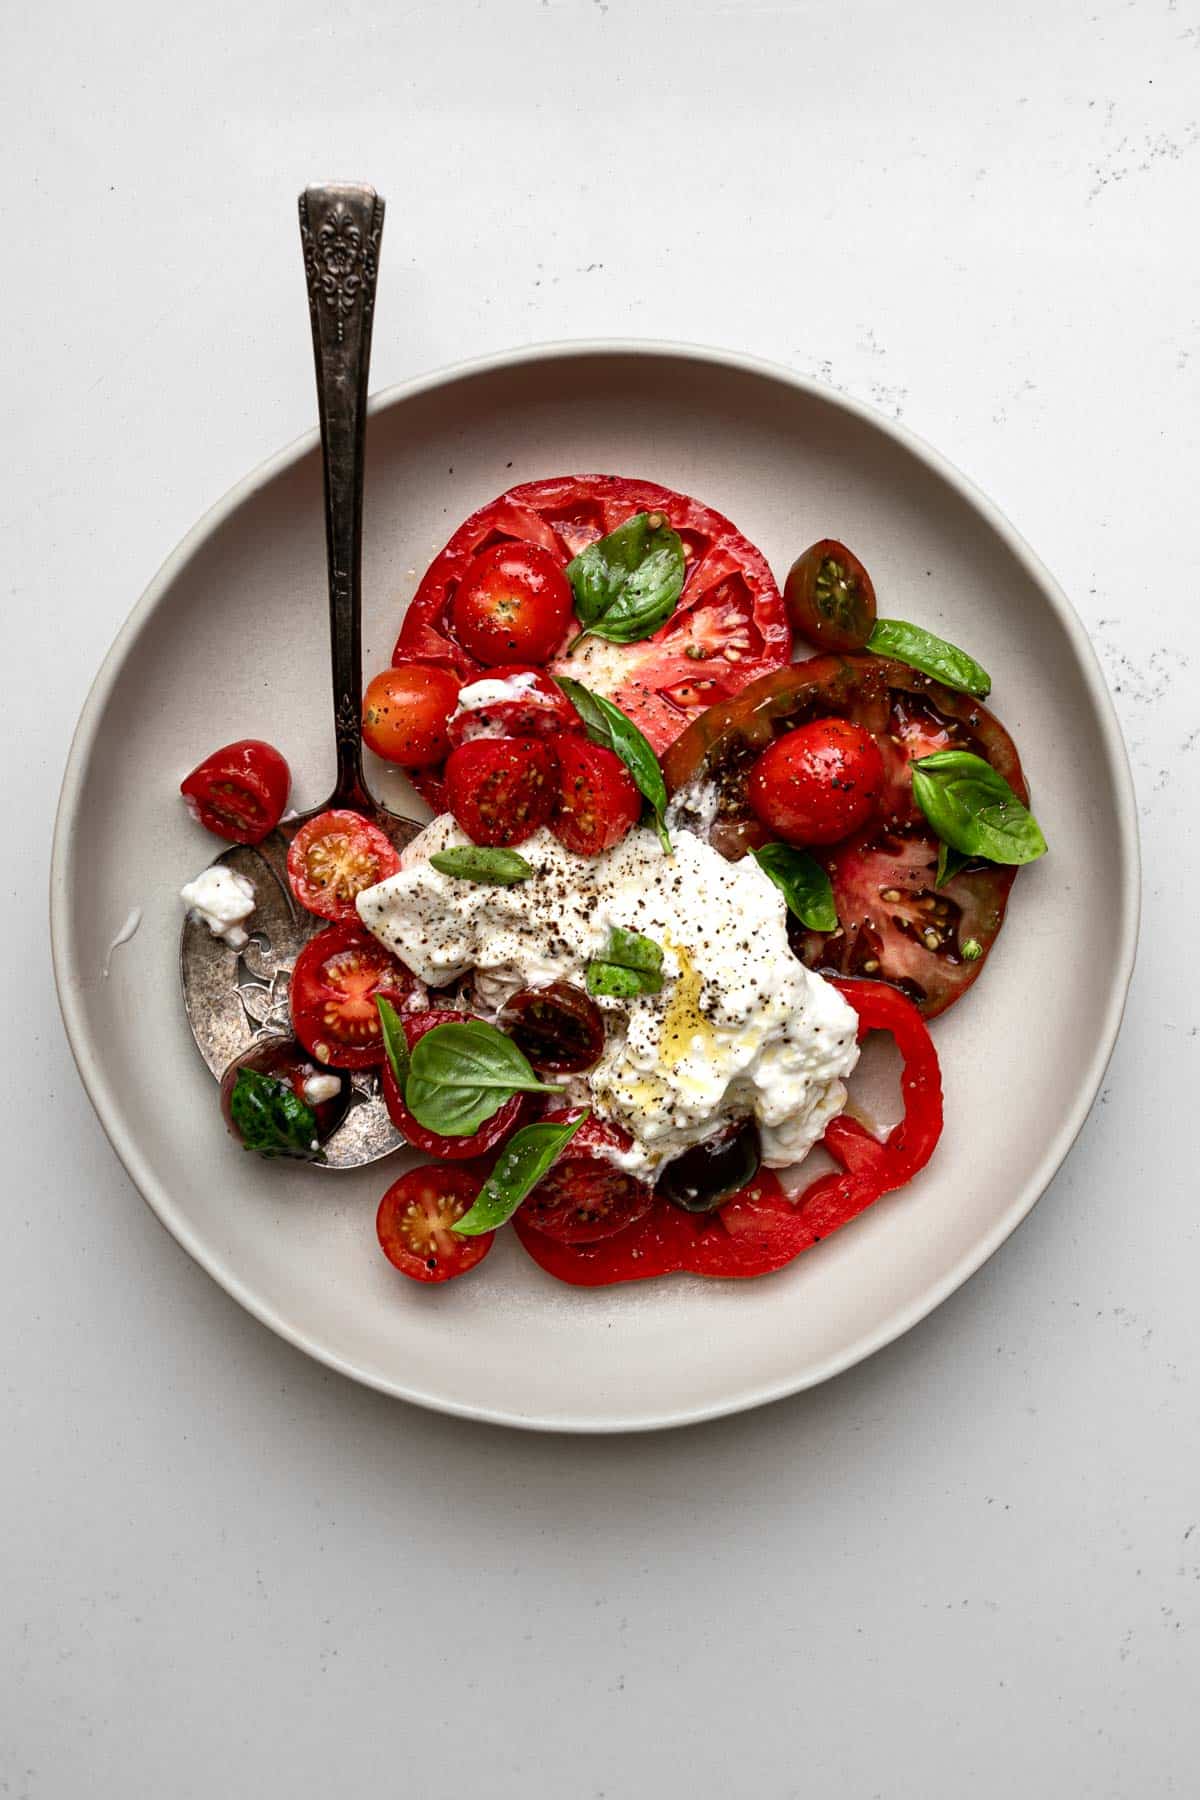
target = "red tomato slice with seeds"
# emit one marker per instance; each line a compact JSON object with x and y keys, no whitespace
{"x":598,"y":800}
{"x":416,"y":1220}
{"x":729,"y":627}
{"x":337,"y":977}
{"x":333,"y":858}
{"x":501,"y":790}
{"x":894,"y":924}
{"x":585,"y":1197}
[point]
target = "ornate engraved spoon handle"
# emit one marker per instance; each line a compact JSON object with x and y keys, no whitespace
{"x":340,"y":228}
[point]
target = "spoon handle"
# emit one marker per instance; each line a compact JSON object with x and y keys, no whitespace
{"x":340,"y":228}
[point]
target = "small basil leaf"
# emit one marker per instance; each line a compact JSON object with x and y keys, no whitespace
{"x":973,"y":809}
{"x":931,"y":655}
{"x":802,"y":882}
{"x":528,"y":1155}
{"x":948,"y":864}
{"x":606,"y":724}
{"x":631,"y":965}
{"x":628,"y":584}
{"x":394,"y":1041}
{"x":472,"y":862}
{"x":271,"y":1118}
{"x":460,"y":1074}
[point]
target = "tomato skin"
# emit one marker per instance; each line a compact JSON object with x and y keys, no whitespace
{"x":334,"y":984}
{"x":239,"y":792}
{"x":585,"y":1198}
{"x":415,"y":1223}
{"x":819,"y":783}
{"x":334,"y":857}
{"x":514,"y":603}
{"x":406,"y":710}
{"x":559,"y":1028}
{"x":909,"y":715}
{"x":830,"y":598}
{"x":542,"y":711}
{"x":760,"y":1229}
{"x":501,"y":790}
{"x":730,"y":625}
{"x":491,"y":1133}
{"x":598,"y":801}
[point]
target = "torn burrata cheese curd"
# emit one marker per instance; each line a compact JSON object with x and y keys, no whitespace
{"x":740,"y":1027}
{"x":223,"y":900}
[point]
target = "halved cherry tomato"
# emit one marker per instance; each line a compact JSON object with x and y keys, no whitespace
{"x":513,"y":604}
{"x":337,"y":977}
{"x":406,"y":710}
{"x":598,"y":801}
{"x":501,"y":790}
{"x":729,"y":626}
{"x":333,"y":858}
{"x":760,"y":1229}
{"x":559,"y":1027}
{"x":287,"y":1060}
{"x":533,"y":706}
{"x":818,"y":783}
{"x":239,"y":792}
{"x":894,"y":925}
{"x":585,"y":1197}
{"x":830,"y":597}
{"x":493,"y":1131}
{"x":416,"y":1220}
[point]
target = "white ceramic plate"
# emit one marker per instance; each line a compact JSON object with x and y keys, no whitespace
{"x":230,"y":641}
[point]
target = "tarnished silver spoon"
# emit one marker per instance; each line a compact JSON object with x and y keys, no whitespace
{"x":235,"y":999}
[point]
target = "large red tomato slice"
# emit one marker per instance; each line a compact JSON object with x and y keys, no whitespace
{"x":894,"y":923}
{"x":729,"y":627}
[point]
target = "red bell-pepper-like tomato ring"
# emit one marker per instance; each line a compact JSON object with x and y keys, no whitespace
{"x":760,"y":1229}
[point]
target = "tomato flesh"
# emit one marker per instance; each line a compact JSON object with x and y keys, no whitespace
{"x":598,"y":802}
{"x":239,"y":792}
{"x":334,"y":986}
{"x":492,"y":1132}
{"x":416,"y":1219}
{"x":333,"y":858}
{"x":514,"y":603}
{"x":586,"y":1198}
{"x":501,"y":790}
{"x":405,"y":714}
{"x":818,"y":783}
{"x":883,"y":875}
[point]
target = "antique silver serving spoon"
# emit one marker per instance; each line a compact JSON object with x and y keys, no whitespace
{"x":237,"y":998}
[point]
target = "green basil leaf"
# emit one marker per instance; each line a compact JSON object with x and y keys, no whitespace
{"x":472,"y":862}
{"x":606,"y":724}
{"x":948,"y":864}
{"x":973,"y":809}
{"x":631,"y":965}
{"x":528,"y":1155}
{"x":271,"y":1118}
{"x":628,"y":584}
{"x":460,"y":1074}
{"x":394,"y":1041}
{"x":932,"y":655}
{"x":802,"y":882}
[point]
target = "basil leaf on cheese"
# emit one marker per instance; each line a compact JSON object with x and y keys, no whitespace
{"x":631,"y":966}
{"x":475,"y":862}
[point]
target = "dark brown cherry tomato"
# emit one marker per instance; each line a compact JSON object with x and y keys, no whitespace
{"x":334,"y":985}
{"x":559,"y":1027}
{"x":501,"y":790}
{"x":286,"y":1059}
{"x":239,"y":792}
{"x":598,"y":801}
{"x":540,"y":709}
{"x":819,"y":783}
{"x":707,"y":1174}
{"x":416,"y":1220}
{"x":830,"y":597}
{"x":405,"y":714}
{"x":894,"y":924}
{"x":513,"y":605}
{"x":333,"y":858}
{"x":492,"y":1132}
{"x":585,"y":1197}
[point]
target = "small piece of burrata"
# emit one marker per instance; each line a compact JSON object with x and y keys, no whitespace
{"x":740,"y":1028}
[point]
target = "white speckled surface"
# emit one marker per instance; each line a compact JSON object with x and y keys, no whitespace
{"x":972,"y":1564}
